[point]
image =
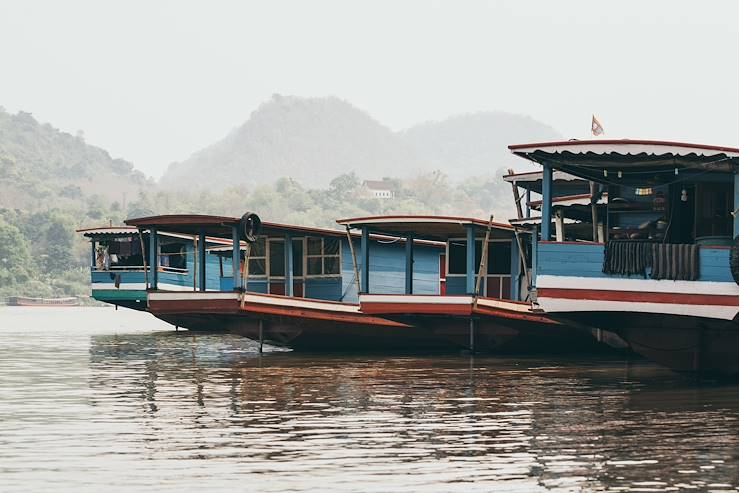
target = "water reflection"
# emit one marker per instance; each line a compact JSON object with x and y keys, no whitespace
{"x":409,"y":423}
{"x":166,"y":411}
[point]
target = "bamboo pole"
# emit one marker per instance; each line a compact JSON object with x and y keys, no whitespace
{"x":516,"y":196}
{"x":483,"y":262}
{"x":354,"y":259}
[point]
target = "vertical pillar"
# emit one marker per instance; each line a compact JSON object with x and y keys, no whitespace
{"x":559,"y":225}
{"x":470,"y":259}
{"x":409,"y":264}
{"x":515,"y":270}
{"x":289,"y":267}
{"x":153,"y":259}
{"x":736,"y":201}
{"x":546,"y":203}
{"x":93,"y":259}
{"x":202,"y":279}
{"x":528,"y":201}
{"x":534,"y":255}
{"x":236,"y":258}
{"x":364,"y":277}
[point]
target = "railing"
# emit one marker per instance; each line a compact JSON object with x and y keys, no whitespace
{"x":585,"y":259}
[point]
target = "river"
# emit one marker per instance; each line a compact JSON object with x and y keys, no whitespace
{"x":93,"y":399}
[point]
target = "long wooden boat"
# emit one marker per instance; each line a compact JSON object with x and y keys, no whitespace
{"x":29,"y":301}
{"x":482,"y":304}
{"x":661,"y":276}
{"x":289,"y":285}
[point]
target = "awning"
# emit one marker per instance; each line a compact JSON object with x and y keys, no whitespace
{"x":629,"y":162}
{"x":435,"y":228}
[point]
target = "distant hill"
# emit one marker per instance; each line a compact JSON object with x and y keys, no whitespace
{"x":311,"y":140}
{"x":474,"y":144}
{"x":43,"y":167}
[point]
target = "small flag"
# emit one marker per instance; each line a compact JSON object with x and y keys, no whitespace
{"x":596,"y":127}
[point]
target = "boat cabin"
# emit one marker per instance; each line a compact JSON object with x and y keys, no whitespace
{"x":295,"y":261}
{"x":658,"y":194}
{"x":459,"y":266}
{"x":119,"y":263}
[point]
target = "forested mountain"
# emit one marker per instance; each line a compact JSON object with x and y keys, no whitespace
{"x":473,"y":144}
{"x":40,"y":165}
{"x":312,"y":140}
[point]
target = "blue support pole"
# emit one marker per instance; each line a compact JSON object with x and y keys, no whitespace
{"x":153,"y":259}
{"x":236,"y":258}
{"x":409,"y":264}
{"x":736,"y":201}
{"x":528,"y":201}
{"x":546,"y":203}
{"x":202,"y":279}
{"x":364,"y":277}
{"x":93,"y":260}
{"x":289,"y":267}
{"x":471,"y":260}
{"x":534,"y":255}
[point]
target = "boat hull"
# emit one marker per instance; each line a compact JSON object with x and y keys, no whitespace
{"x":292,"y":322}
{"x":486,"y":325}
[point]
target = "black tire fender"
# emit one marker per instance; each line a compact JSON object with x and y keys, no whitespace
{"x":249,"y":227}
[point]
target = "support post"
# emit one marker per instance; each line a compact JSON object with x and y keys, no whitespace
{"x":289,"y":264}
{"x":736,"y":201}
{"x":528,"y":201}
{"x":261,"y":336}
{"x":364,"y":278}
{"x":470,"y":259}
{"x":534,"y":255}
{"x":409,"y":264}
{"x":546,"y":203}
{"x":201,"y":260}
{"x":236,"y":259}
{"x":93,"y":260}
{"x":201,"y":253}
{"x":559,"y":225}
{"x":153,"y":259}
{"x":594,"y":196}
{"x":472,"y":334}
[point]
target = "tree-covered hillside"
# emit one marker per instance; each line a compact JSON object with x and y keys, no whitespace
{"x":40,"y":166}
{"x":313,"y":140}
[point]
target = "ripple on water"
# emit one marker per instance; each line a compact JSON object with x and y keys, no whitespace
{"x":92,"y":399}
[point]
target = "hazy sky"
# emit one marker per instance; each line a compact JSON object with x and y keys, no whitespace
{"x":154,"y":81}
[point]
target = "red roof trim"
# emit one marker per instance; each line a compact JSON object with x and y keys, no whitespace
{"x":515,"y":147}
{"x":441,"y":219}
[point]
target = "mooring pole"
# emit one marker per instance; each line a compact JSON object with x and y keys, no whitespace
{"x":472,"y":335}
{"x":261,"y":336}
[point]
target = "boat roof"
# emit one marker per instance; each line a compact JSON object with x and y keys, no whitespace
{"x":638,"y":161}
{"x":436,"y":228}
{"x":129,"y":232}
{"x":220,"y":225}
{"x":582,"y":199}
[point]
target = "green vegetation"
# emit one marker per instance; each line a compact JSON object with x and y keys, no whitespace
{"x":52,"y":183}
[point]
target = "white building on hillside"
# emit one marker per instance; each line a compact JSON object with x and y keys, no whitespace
{"x":378,"y":189}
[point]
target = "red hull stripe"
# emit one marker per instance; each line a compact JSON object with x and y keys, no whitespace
{"x":640,"y":296}
{"x":458,"y":310}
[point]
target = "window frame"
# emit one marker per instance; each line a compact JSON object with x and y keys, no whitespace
{"x":486,"y":275}
{"x":307,"y":256}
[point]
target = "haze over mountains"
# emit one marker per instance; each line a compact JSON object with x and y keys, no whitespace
{"x":313,"y":140}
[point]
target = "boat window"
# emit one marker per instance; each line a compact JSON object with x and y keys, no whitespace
{"x":324,"y":257}
{"x":173,"y":255}
{"x":276,"y":258}
{"x":457,"y":257}
{"x":499,"y":257}
{"x":258,"y":258}
{"x":297,"y":258}
{"x":119,"y":254}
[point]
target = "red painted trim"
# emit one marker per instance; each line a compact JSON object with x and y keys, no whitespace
{"x":501,"y":313}
{"x":640,"y":296}
{"x":284,"y":297}
{"x":515,"y":147}
{"x":417,"y":308}
{"x":306,"y":313}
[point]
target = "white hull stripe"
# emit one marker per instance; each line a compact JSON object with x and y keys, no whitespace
{"x":563,"y":305}
{"x":640,"y":285}
{"x":138,"y":286}
{"x":443,"y":300}
{"x":256,"y":299}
